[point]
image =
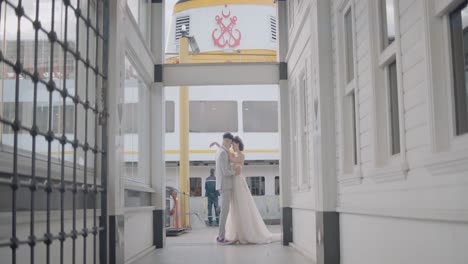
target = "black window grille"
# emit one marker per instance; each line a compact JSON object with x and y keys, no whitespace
{"x":256,"y":185}
{"x":52,"y":119}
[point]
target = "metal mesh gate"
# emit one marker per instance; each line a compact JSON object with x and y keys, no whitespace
{"x":52,"y":121}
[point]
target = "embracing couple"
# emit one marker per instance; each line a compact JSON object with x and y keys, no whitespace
{"x":240,"y":220}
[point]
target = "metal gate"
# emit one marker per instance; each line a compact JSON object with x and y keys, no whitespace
{"x":53,"y":66}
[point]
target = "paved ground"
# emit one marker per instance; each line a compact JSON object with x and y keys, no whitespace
{"x":199,"y":246}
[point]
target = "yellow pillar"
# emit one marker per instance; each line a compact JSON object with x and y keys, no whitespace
{"x":184,"y":140}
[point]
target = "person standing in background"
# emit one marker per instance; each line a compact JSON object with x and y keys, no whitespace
{"x":212,"y":194}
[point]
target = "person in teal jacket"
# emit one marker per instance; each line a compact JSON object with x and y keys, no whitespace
{"x":212,"y":194}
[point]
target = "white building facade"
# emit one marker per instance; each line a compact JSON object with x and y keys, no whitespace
{"x":378,"y":134}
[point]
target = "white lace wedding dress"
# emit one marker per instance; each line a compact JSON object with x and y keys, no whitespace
{"x":244,"y":222}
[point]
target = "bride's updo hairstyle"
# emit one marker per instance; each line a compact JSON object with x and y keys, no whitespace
{"x":238,"y":140}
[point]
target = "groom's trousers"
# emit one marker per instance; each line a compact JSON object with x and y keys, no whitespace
{"x":225,"y":202}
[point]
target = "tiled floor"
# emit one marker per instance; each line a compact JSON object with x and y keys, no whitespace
{"x":199,"y":246}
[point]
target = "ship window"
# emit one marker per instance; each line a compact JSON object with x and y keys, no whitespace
{"x":195,"y":187}
{"x":57,"y":119}
{"x":9,"y":114}
{"x":42,"y":116}
{"x":277,"y":185}
{"x":131,"y":120}
{"x":260,"y":116}
{"x":256,"y":185}
{"x":170,"y":114}
{"x":213,"y":116}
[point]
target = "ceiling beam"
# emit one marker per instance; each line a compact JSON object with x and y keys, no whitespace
{"x":220,"y":74}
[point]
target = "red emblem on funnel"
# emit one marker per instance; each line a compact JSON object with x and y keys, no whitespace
{"x":226,"y":34}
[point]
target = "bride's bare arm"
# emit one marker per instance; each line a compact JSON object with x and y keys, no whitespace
{"x":214,"y":144}
{"x":238,"y":159}
{"x":238,"y":170}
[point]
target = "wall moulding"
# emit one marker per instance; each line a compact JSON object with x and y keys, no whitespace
{"x":350,"y":179}
{"x":388,"y":174}
{"x":448,"y":163}
{"x":458,"y":216}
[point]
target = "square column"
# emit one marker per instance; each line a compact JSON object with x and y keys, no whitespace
{"x":158,"y":124}
{"x":284,"y":108}
{"x":115,"y":188}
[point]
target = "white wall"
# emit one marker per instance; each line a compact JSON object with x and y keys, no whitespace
{"x":138,"y":231}
{"x":407,"y":208}
{"x":304,"y":232}
{"x":384,"y":240}
{"x":301,"y":65}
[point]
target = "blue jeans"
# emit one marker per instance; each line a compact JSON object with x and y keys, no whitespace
{"x":213,"y":202}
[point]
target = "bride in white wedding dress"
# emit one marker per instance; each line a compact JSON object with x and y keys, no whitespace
{"x":244,"y":222}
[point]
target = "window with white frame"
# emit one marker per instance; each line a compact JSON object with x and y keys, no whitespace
{"x":304,"y":96}
{"x":135,"y":126}
{"x":388,"y":62}
{"x":351,"y":154}
{"x":294,"y":138}
{"x":141,"y":12}
{"x":393,"y":108}
{"x":459,"y":44}
{"x":349,"y":45}
{"x":352,"y":103}
{"x":387,"y":10}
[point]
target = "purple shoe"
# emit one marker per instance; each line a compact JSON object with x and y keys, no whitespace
{"x":228,"y":242}
{"x":224,"y":241}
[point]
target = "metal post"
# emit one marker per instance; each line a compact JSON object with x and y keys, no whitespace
{"x":184,"y":139}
